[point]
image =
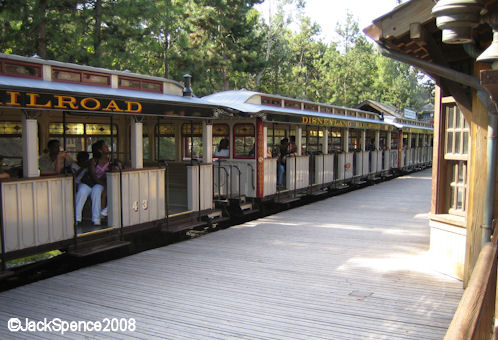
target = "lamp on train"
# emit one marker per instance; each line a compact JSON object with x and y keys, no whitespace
{"x":456,"y":18}
{"x":187,"y":91}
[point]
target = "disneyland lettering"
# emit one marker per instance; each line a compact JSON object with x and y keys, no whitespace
{"x":62,"y":102}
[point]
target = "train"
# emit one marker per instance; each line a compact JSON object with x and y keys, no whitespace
{"x":185,"y":162}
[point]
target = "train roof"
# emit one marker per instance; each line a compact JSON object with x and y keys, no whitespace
{"x":97,"y":91}
{"x":249,"y":102}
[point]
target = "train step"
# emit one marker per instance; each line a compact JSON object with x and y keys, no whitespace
{"x":319,"y":193}
{"x":288,"y":200}
{"x":101,"y":248}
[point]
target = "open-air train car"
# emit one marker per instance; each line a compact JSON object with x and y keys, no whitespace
{"x":175,"y":177}
{"x":151,"y":124}
{"x":335,"y":146}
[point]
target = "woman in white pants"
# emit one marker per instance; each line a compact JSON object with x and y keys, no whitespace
{"x":96,"y":185}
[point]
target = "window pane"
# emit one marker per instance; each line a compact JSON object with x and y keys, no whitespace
{"x":151,"y":86}
{"x":449,"y":142}
{"x":94,"y":78}
{"x":167,"y":130}
{"x":99,"y":129}
{"x":129,"y":83}
{"x":23,"y":70}
{"x":193,"y":147}
{"x":66,"y":76}
{"x":459,"y":203}
{"x":244,"y":147}
{"x":458,"y":141}
{"x":10,"y":128}
{"x":458,"y":118}
{"x":452,"y":197}
{"x":451,"y":117}
{"x":465,"y":143}
{"x":460,"y":172}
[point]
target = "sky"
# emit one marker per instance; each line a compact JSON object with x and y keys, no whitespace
{"x":328,"y":12}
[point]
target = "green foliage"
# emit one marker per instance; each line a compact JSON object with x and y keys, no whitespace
{"x":223,"y":44}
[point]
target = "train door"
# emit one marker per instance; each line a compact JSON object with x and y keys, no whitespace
{"x":395,"y":152}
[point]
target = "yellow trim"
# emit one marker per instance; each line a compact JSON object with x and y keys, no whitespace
{"x":96,"y":232}
{"x":180,"y":214}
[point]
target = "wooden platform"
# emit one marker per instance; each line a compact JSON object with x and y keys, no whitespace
{"x":353,"y":266}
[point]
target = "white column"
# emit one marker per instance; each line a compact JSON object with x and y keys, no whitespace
{"x":363,"y":137}
{"x":207,"y":142}
{"x":325,"y":141}
{"x":409,"y":146}
{"x":388,"y":142}
{"x":137,"y":157}
{"x":30,"y":147}
{"x":299,"y":142}
{"x":417,"y":140}
{"x":345,"y":140}
{"x":377,"y":139}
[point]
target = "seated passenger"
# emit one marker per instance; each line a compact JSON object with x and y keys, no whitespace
{"x":52,"y":162}
{"x":80,"y":167}
{"x":3,"y":173}
{"x":95,"y":184}
{"x":223,"y":148}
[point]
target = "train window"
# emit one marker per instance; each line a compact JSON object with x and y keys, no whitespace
{"x":244,"y":140}
{"x":326,"y":109}
{"x":313,"y":140}
{"x":11,"y":141}
{"x":275,"y":135}
{"x":335,"y":140}
{"x":292,"y":104}
{"x":80,"y":136}
{"x":221,"y":140}
{"x":405,"y":140}
{"x":354,"y":140}
{"x":310,"y":107}
{"x":271,"y":101}
{"x":140,"y":84}
{"x":394,"y":140}
{"x":19,"y":69}
{"x":166,"y":142}
{"x":77,"y":76}
{"x":192,"y":140}
{"x":382,"y":140}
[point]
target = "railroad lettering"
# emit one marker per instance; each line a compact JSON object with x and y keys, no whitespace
{"x":33,"y":101}
{"x":112,"y":107}
{"x":66,"y":102}
{"x":134,"y":107}
{"x":14,"y":98}
{"x":95,"y":104}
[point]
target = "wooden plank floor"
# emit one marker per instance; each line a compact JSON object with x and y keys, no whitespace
{"x":353,"y":266}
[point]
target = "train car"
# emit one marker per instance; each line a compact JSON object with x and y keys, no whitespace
{"x":334,"y":146}
{"x":154,"y":126}
{"x":179,"y":162}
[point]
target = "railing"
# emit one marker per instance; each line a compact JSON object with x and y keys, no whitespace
{"x":200,"y":187}
{"x":474,"y":317}
{"x":36,"y":211}
{"x":270,"y":176}
{"x":136,"y":196}
{"x":296,"y":172}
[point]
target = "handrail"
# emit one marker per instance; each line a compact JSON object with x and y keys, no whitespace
{"x":474,"y":317}
{"x":227,"y":175}
{"x":252,"y":176}
{"x":240,"y":174}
